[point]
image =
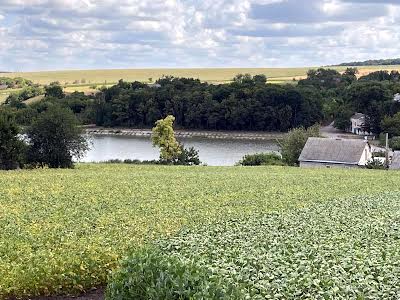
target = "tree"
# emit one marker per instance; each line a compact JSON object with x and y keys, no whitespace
{"x":54,"y":90}
{"x":55,"y":139}
{"x":188,"y":157}
{"x":164,"y":138}
{"x":12,"y":149}
{"x":391,"y":125}
{"x":294,"y":142}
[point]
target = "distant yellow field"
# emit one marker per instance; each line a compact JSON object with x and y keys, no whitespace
{"x":212,"y":75}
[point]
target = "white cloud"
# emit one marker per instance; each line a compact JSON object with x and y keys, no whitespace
{"x":54,"y":34}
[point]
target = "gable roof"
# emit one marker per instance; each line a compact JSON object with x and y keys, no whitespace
{"x":345,"y":151}
{"x":395,"y":161}
{"x":358,"y":116}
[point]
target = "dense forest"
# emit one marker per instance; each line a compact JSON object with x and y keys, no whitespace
{"x":247,"y":103}
{"x":373,"y":62}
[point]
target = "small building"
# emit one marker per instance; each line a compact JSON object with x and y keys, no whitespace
{"x":324,"y":152}
{"x":395,"y":164}
{"x":396,"y":97}
{"x":154,"y":85}
{"x":357,"y":125}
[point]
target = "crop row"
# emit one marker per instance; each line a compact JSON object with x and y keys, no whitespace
{"x":334,"y":250}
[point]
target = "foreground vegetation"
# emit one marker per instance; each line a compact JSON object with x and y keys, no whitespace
{"x":64,"y":230}
{"x":341,"y":249}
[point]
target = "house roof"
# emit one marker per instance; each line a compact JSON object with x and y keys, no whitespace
{"x":344,"y":151}
{"x":395,"y":161}
{"x":358,"y":116}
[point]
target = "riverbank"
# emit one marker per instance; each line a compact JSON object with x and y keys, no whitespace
{"x":239,"y":135}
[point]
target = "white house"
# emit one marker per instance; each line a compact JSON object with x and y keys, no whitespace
{"x":324,"y":152}
{"x":357,"y":125}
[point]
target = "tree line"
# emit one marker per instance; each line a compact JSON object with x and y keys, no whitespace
{"x":247,"y":103}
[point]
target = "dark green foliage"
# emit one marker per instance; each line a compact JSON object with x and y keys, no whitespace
{"x":188,"y":157}
{"x":375,"y":165}
{"x":394,"y":143}
{"x":262,"y":159}
{"x":248,"y":103}
{"x":381,"y":76}
{"x":148,"y":274}
{"x":373,"y":62}
{"x":391,"y":125}
{"x":55,"y":90}
{"x":55,"y":139}
{"x":12,"y":149}
{"x":323,"y":78}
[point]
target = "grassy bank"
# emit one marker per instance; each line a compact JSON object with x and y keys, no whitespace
{"x":63,"y":230}
{"x":212,"y":75}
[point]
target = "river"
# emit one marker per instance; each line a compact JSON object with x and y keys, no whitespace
{"x":213,"y":152}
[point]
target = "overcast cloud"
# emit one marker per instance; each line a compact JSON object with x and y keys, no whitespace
{"x":83,"y":34}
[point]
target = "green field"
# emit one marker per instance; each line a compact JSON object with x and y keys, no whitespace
{"x":63,"y":230}
{"x":212,"y":75}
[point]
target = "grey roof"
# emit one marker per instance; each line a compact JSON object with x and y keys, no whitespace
{"x":358,"y":116}
{"x":347,"y":151}
{"x":395,"y":161}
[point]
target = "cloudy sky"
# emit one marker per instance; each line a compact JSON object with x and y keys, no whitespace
{"x":89,"y":34}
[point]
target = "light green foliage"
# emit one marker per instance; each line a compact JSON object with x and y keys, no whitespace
{"x":293,"y":143}
{"x":149,"y":274}
{"x":63,"y":230}
{"x":343,"y":249}
{"x":164,"y":138}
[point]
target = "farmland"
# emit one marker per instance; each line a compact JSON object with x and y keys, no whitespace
{"x":211,"y":75}
{"x":64,"y":230}
{"x":340,"y":249}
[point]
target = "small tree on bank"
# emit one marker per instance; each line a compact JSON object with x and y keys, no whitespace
{"x":294,"y":142}
{"x":171,"y":151}
{"x":12,"y":149}
{"x":55,"y":139}
{"x":164,"y":138}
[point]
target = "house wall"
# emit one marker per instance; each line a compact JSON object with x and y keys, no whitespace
{"x":366,"y":156}
{"x":307,"y":164}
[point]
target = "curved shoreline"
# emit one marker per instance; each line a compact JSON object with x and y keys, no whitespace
{"x":243,"y":135}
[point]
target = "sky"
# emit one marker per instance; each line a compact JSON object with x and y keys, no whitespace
{"x":105,"y":34}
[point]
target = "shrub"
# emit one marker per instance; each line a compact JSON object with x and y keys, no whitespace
{"x":294,"y":142}
{"x":188,"y":157}
{"x":395,"y":143}
{"x":151,"y":275}
{"x":261,"y":159}
{"x":375,"y":164}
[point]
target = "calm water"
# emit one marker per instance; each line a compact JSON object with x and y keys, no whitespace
{"x":213,"y":152}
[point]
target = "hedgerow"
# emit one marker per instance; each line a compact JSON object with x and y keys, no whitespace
{"x":334,"y":250}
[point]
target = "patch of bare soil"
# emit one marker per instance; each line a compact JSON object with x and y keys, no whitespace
{"x":97,"y":294}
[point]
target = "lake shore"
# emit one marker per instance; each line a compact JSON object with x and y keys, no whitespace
{"x":240,"y":135}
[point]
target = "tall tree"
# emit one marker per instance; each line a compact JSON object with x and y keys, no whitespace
{"x":56,"y":139}
{"x":11,"y":147}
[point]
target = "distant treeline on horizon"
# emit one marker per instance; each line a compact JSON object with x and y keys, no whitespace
{"x":372,"y":62}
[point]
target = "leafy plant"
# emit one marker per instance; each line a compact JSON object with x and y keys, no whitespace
{"x":148,"y":274}
{"x":261,"y":159}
